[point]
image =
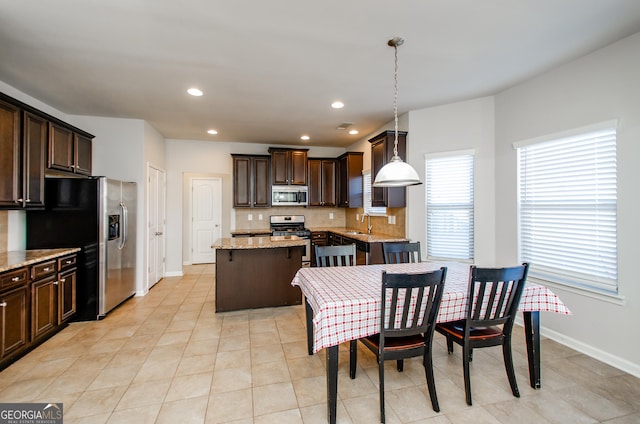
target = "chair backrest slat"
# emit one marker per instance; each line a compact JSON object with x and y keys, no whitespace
{"x":414,"y":303}
{"x":398,"y":253}
{"x":494,"y":294}
{"x":327,"y":256}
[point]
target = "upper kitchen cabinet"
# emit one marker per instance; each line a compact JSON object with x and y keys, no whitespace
{"x":22,"y":157}
{"x":251,"y":186}
{"x":350,"y":180}
{"x":288,"y":166}
{"x":322,"y":182}
{"x":381,"y":153}
{"x":69,"y":151}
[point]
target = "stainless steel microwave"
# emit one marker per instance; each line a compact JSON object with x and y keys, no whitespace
{"x":289,"y":195}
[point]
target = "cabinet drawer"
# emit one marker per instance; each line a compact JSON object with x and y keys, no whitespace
{"x":318,"y":235}
{"x":43,"y":269}
{"x":14,"y":278}
{"x":67,"y":262}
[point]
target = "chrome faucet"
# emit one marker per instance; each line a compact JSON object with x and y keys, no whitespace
{"x":369,"y":226}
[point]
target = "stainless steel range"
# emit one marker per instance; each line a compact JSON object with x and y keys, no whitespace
{"x":292,"y":225}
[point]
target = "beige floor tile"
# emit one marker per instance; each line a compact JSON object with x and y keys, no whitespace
{"x":274,"y":398}
{"x":233,"y":359}
{"x":292,"y":416}
{"x":317,"y":414}
{"x":183,"y":411}
{"x":196,"y":364}
{"x":189,"y":386}
{"x":266,"y":353}
{"x":410,"y":404}
{"x":158,"y":370}
{"x":269,"y":373}
{"x":94,"y":402}
{"x":140,"y":415}
{"x":231,"y":406}
{"x":231,"y":379}
{"x":144,"y":394}
{"x":309,"y":391}
{"x":366,"y":409}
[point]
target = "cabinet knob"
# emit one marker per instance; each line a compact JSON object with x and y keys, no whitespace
{"x":3,"y":305}
{"x":68,"y":261}
{"x":47,"y":269}
{"x":19,"y":200}
{"x":63,"y":280}
{"x":14,"y":279}
{"x":55,"y":283}
{"x":27,"y":200}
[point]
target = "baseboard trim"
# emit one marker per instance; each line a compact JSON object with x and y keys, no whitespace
{"x":606,"y":357}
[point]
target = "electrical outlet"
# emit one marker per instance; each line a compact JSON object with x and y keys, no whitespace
{"x":250,"y":217}
{"x":357,"y":217}
{"x":259,"y":217}
{"x":391,"y":219}
{"x":330,"y":215}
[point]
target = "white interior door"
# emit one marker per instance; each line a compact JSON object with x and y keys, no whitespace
{"x":156,"y":220}
{"x":206,"y":218}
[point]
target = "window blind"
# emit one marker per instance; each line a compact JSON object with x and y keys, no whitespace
{"x":567,"y":210}
{"x":366,"y":190}
{"x":449,"y":197}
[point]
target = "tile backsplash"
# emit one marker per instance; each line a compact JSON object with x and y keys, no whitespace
{"x":4,"y":231}
{"x":321,"y":217}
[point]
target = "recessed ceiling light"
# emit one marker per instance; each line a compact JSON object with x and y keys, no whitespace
{"x":195,"y":92}
{"x":353,"y":132}
{"x":337,"y":105}
{"x":212,"y":132}
{"x":305,"y":137}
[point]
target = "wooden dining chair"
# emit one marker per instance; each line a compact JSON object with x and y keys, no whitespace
{"x":494,"y":296}
{"x":410,"y":304}
{"x":401,"y":253}
{"x":336,"y":255}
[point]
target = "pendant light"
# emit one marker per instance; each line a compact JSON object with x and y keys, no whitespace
{"x":396,"y":173}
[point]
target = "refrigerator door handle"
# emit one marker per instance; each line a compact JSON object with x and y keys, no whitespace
{"x":125,"y":222}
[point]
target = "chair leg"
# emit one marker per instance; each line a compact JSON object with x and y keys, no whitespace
{"x":449,"y":344}
{"x":381,"y":377}
{"x":508,"y":364}
{"x":353,"y":358}
{"x":431,"y":383}
{"x":400,"y":365}
{"x":467,"y":378}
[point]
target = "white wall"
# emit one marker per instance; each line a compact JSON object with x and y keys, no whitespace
{"x":186,"y":158}
{"x":454,"y":127}
{"x":600,"y":86}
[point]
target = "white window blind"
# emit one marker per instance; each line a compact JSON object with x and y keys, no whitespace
{"x":449,"y":194}
{"x":567,"y":210}
{"x":368,"y":209}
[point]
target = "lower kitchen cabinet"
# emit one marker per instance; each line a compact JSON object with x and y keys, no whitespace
{"x":318,"y":238}
{"x":14,"y":319}
{"x":36,"y":302}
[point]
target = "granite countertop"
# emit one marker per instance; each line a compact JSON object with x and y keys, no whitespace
{"x":19,"y":258}
{"x":272,"y":242}
{"x":361,"y":236}
{"x":243,"y":231}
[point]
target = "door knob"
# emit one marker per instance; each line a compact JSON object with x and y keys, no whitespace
{"x":158,"y":233}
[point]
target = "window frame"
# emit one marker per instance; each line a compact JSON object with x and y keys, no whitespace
{"x":577,"y":278}
{"x":469,"y":207}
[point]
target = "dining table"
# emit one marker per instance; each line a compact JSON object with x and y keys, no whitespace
{"x":343,"y":304}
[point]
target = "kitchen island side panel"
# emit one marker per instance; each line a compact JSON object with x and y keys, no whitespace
{"x":257,"y":278}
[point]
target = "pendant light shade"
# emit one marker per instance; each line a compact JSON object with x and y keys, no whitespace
{"x":396,"y":173}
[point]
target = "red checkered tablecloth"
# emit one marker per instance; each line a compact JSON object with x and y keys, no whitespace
{"x":346,"y":300}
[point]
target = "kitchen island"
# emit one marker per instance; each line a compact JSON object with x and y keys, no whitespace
{"x":256,"y":272}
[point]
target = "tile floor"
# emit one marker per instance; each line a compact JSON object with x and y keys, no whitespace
{"x":169,"y":358}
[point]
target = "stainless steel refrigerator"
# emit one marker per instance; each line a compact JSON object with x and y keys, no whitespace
{"x":97,"y":215}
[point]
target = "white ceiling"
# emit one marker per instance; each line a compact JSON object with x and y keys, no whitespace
{"x":271,"y":68}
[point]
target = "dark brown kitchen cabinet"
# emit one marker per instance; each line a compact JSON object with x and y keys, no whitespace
{"x":10,"y":154}
{"x":251,"y":181}
{"x":288,"y":166}
{"x":67,"y":288}
{"x":44,"y":299}
{"x":22,"y":158}
{"x":322,"y":182}
{"x":382,"y":147}
{"x":318,"y":238}
{"x":14,"y":321}
{"x":68,"y":150}
{"x":350,"y":180}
